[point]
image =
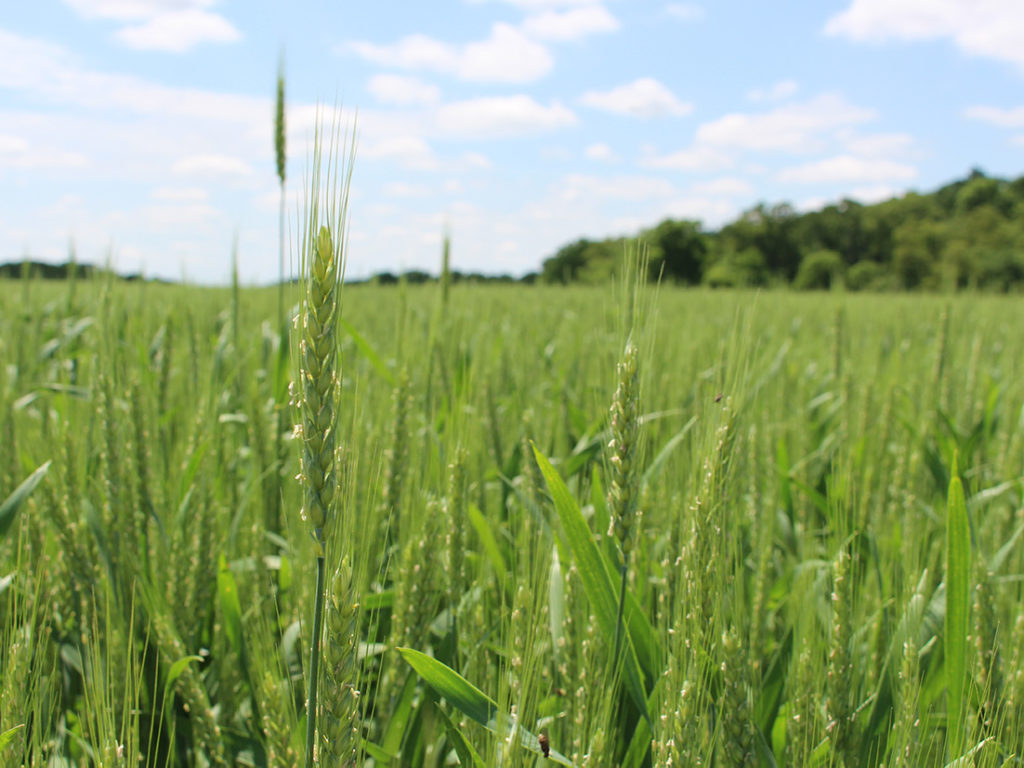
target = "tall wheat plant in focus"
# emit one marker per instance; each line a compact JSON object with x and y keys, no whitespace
{"x":316,"y":395}
{"x":273,"y":521}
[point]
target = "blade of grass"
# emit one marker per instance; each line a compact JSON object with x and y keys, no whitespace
{"x":11,"y":505}
{"x":597,"y":582}
{"x":958,"y":554}
{"x":8,"y":736}
{"x":367,"y":349}
{"x":463,"y":749}
{"x":473,"y":702}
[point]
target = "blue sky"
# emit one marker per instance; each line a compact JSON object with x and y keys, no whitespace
{"x":141,"y":130}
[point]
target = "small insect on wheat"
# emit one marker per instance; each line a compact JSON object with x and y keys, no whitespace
{"x":545,"y":744}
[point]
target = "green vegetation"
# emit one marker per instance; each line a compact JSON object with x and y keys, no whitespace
{"x":612,"y":528}
{"x":968,"y":234}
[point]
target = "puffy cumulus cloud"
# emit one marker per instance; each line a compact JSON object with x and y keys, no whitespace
{"x":50,"y":72}
{"x":779,"y":91}
{"x":408,"y":151}
{"x":572,"y":24}
{"x":685,"y":11}
{"x":711,"y":212}
{"x":402,"y":91}
{"x":576,"y":186}
{"x":406,"y":190}
{"x":179,"y":31}
{"x":19,"y":152}
{"x":724,"y":186}
{"x":848,"y":168}
{"x":534,"y":5}
{"x":987,"y":28}
{"x":599,"y":151}
{"x":796,"y":128}
{"x":212,"y":165}
{"x":173,"y":26}
{"x":645,"y":97}
{"x":874,"y":193}
{"x":131,"y":10}
{"x":1003,"y":118}
{"x":692,"y":159}
{"x":500,"y":117}
{"x":506,"y":56}
{"x":878,"y":145}
{"x":179,"y":217}
{"x":181,"y":195}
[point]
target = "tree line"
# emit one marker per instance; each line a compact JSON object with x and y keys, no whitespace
{"x":966,"y":235}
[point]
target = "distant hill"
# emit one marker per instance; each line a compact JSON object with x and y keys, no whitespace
{"x":39,"y":270}
{"x":966,"y":234}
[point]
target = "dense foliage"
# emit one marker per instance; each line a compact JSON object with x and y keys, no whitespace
{"x":968,"y":234}
{"x":819,"y":496}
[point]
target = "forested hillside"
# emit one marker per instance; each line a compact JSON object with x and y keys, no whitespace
{"x":968,"y":234}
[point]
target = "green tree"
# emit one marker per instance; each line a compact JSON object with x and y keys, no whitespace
{"x":678,"y":251}
{"x":916,"y":252}
{"x":819,"y":270}
{"x":772,"y":231}
{"x":565,"y":265}
{"x":738,"y":269}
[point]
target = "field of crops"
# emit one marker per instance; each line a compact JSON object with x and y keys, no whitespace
{"x":819,"y":498}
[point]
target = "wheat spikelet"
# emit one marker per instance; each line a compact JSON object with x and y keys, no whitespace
{"x":318,"y":385}
{"x":340,"y":711}
{"x":624,"y":427}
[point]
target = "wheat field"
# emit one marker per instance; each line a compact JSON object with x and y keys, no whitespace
{"x":611,"y":526}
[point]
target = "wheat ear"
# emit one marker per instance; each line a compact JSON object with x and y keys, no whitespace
{"x":319,"y":384}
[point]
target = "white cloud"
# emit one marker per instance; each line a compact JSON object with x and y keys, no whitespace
{"x":1004,"y":118}
{"x":12,"y":145}
{"x":847,"y":168}
{"x":881,"y":144}
{"x":405,"y":189}
{"x":783,"y":89}
{"x":131,"y":10}
{"x":724,"y":186}
{"x":873,"y":194}
{"x":48,"y":71}
{"x":476,"y":161}
{"x":18,"y":152}
{"x":599,"y":151}
{"x":685,"y":11}
{"x":501,"y":116}
{"x":182,"y":195}
{"x":161,"y":25}
{"x":408,"y":151}
{"x":572,"y":24}
{"x":507,"y":56}
{"x":541,"y":4}
{"x":176,"y":217}
{"x":212,"y":165}
{"x":411,"y":52}
{"x":645,"y":97}
{"x":179,"y":31}
{"x":710,"y":212}
{"x":793,"y":128}
{"x":402,"y":91}
{"x":694,"y":158}
{"x":987,"y":28}
{"x":577,"y":186}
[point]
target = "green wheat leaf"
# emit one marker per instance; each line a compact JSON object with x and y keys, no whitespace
{"x":9,"y":509}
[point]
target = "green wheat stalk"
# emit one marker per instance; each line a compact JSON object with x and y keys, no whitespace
{"x":280,"y":156}
{"x":319,"y":376}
